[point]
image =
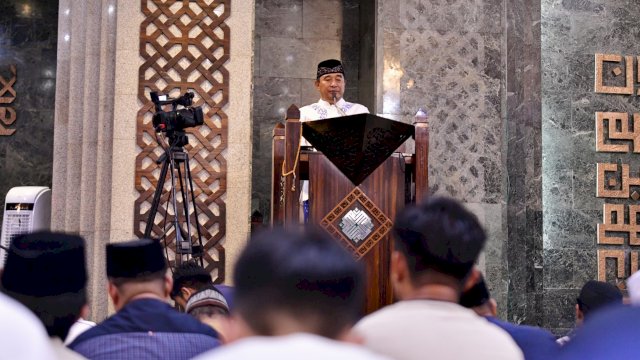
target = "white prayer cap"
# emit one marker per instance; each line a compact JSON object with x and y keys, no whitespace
{"x":633,"y":286}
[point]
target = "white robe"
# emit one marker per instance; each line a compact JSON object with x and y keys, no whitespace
{"x":324,"y":110}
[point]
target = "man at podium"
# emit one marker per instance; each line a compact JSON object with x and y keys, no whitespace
{"x":330,"y":83}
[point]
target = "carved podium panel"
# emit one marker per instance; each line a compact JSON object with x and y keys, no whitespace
{"x":357,"y":185}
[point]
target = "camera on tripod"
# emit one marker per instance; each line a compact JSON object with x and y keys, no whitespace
{"x":175,"y":121}
{"x":175,"y":164}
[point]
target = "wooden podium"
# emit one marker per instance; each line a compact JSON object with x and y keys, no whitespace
{"x":357,"y":184}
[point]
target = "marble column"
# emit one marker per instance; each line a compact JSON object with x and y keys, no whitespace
{"x":82,"y":166}
{"x":523,"y":149}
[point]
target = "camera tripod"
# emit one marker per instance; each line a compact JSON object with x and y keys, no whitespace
{"x":175,"y":159}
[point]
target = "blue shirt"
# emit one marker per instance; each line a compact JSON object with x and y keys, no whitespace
{"x":535,"y":343}
{"x":146,"y":329}
{"x":610,"y":333}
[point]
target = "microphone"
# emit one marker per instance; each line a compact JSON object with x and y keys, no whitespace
{"x":335,"y":103}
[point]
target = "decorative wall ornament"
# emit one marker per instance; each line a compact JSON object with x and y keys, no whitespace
{"x":600,"y":87}
{"x":185,"y":47}
{"x":613,"y":133}
{"x":7,"y":96}
{"x":615,"y":181}
{"x":621,"y":227}
{"x":616,"y":227}
{"x":617,"y":236}
{"x":620,"y":264}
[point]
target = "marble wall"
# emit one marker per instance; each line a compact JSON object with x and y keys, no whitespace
{"x":28,"y":39}
{"x":448,"y":57}
{"x":474,"y":66}
{"x":572,"y":33}
{"x":291,"y":37}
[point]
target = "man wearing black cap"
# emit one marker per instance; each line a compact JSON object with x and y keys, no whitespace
{"x":330,"y":83}
{"x":594,"y":296}
{"x":46,"y":272}
{"x":145,"y":326}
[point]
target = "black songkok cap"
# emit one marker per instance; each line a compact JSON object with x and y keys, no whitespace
{"x":476,"y":296}
{"x":134,"y":258}
{"x":596,"y":294}
{"x":330,"y":66}
{"x":45,"y":264}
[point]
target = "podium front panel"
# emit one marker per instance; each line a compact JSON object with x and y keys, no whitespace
{"x":374,"y":204}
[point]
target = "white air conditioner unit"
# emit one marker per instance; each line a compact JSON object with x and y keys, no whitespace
{"x":26,"y":209}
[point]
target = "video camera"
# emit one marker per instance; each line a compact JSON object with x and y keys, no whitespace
{"x":176,"y":119}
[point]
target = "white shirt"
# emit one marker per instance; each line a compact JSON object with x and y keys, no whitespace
{"x":420,"y":329}
{"x":324,"y":110}
{"x":22,"y":335}
{"x":295,"y":346}
{"x":81,"y":325}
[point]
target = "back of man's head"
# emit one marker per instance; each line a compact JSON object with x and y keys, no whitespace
{"x":134,"y":267}
{"x":304,"y":277}
{"x":438,"y":237}
{"x":596,"y":295}
{"x":46,"y":272}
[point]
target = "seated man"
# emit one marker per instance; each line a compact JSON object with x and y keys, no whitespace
{"x":594,"y":296}
{"x":145,"y":325}
{"x":296,"y":294}
{"x":609,"y":333}
{"x":46,"y":272}
{"x":436,"y":246}
{"x":535,"y":342}
{"x":189,"y":277}
{"x":210,"y":307}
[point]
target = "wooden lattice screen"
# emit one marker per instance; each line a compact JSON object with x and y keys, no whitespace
{"x":185,"y":47}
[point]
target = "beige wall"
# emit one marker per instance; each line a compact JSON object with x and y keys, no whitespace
{"x":240,"y":130}
{"x":93,"y":180}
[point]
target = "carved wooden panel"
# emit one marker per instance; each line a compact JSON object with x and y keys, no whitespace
{"x":356,"y":200}
{"x":185,"y":47}
{"x":7,"y":96}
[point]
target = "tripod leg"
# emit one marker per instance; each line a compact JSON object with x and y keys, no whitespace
{"x":195,"y":208}
{"x":185,"y":198}
{"x":176,"y":217}
{"x":156,"y":198}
